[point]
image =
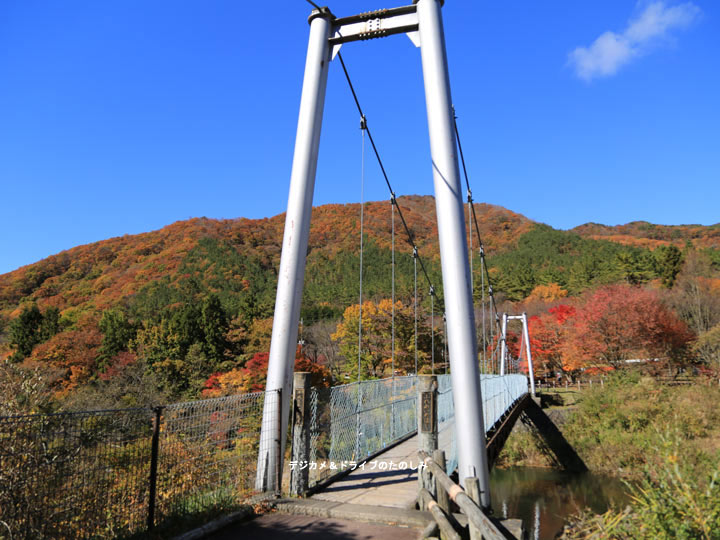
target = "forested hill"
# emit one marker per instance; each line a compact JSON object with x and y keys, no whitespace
{"x":168,"y":308}
{"x":642,"y":233}
{"x":204,"y":287}
{"x":102,"y":274}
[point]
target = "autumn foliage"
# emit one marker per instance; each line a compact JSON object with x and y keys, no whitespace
{"x":131,"y":304}
{"x":606,"y":328}
{"x":253,"y":376}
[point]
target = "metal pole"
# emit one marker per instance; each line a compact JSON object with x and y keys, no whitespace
{"x":531,"y":372}
{"x":472,"y":455}
{"x":295,"y":241}
{"x":503,"y":344}
{"x":154,"y":451}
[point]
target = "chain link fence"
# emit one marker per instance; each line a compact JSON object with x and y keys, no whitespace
{"x":351,"y":422}
{"x":499,"y":392}
{"x":348,"y":423}
{"x":119,"y":473}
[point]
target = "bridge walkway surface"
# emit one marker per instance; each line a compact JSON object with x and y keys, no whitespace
{"x":369,"y":503}
{"x":374,"y":501}
{"x":381,"y":482}
{"x":279,"y":525}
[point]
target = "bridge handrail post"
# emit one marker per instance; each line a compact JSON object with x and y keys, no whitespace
{"x":300,"y":476}
{"x":531,"y":371}
{"x":427,"y":426}
{"x":427,"y":388}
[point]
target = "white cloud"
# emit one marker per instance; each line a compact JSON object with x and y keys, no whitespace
{"x":611,"y":50}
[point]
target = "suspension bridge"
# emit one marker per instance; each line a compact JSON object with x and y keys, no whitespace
{"x":359,"y":444}
{"x":411,"y":449}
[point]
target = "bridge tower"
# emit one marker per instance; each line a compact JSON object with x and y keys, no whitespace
{"x":526,"y":339}
{"x":422,"y":21}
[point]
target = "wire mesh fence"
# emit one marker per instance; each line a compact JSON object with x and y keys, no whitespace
{"x":446,"y":419}
{"x":348,"y":423}
{"x":117,"y":473}
{"x":499,"y":392}
{"x":79,"y":475}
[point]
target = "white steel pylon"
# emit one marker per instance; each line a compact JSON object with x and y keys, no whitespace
{"x":526,"y":339}
{"x":422,"y":21}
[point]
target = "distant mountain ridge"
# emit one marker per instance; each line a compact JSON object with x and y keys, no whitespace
{"x":119,"y":267}
{"x":197,"y":296}
{"x":643,"y":233}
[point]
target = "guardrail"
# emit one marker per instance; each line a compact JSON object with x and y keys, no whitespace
{"x":437,"y":491}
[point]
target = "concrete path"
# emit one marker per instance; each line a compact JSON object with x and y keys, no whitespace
{"x":381,"y":482}
{"x":276,"y":526}
{"x":376,"y":501}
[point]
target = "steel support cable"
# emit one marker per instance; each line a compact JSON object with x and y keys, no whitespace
{"x":411,"y":237}
{"x":483,"y":268}
{"x":393,"y":200}
{"x":484,"y":333}
{"x":362,"y":242}
{"x":520,"y":353}
{"x":415,"y":258}
{"x":445,"y":350}
{"x":392,"y":220}
{"x":470,"y":242}
{"x":472,"y":206}
{"x":432,"y":329}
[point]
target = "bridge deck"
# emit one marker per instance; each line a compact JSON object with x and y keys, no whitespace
{"x":385,"y":485}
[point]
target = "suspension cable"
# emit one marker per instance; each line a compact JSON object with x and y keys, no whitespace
{"x":411,"y":237}
{"x":484,"y":334}
{"x":392,"y":220}
{"x":415,"y":258}
{"x":445,"y":349}
{"x":474,"y":214}
{"x":481,"y":246}
{"x":362,"y":230}
{"x":432,"y":329}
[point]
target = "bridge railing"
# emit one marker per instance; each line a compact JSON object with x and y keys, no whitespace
{"x":116,"y":473}
{"x":351,"y":422}
{"x":499,"y":392}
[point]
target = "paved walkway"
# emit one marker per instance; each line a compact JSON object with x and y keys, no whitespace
{"x":377,"y":487}
{"x":367,"y":504}
{"x":275,"y":526}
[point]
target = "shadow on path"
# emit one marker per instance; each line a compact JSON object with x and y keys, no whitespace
{"x":275,"y":526}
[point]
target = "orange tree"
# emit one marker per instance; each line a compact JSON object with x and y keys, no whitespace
{"x":620,"y":322}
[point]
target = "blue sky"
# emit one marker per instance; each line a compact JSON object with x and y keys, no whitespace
{"x":122,"y":117}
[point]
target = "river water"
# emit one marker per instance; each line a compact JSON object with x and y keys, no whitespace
{"x":544,"y":498}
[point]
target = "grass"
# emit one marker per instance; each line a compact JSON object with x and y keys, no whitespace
{"x":671,"y":500}
{"x":664,"y":441}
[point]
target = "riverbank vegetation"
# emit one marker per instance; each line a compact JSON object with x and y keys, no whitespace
{"x":663,"y":440}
